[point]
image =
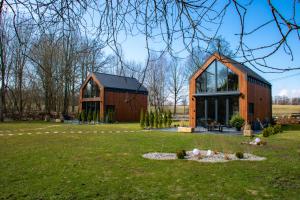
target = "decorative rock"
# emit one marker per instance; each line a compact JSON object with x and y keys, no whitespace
{"x":257,"y":140}
{"x":247,"y":130}
{"x":196,"y":152}
{"x":185,"y":129}
{"x":209,"y":153}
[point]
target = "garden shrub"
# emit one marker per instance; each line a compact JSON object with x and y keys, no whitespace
{"x":237,"y":121}
{"x":90,"y":116}
{"x":277,"y":128}
{"x":239,"y":155}
{"x":83,"y":116}
{"x":147,"y":122}
{"x":95,"y":116}
{"x":268,"y":131}
{"x":142,"y":119}
{"x":165,"y":119}
{"x":180,"y":154}
{"x":169,"y":118}
{"x":151,"y":119}
{"x":160,"y":119}
{"x":155,"y":119}
{"x":79,"y":116}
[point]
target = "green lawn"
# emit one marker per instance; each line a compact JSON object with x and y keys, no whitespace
{"x":83,"y":164}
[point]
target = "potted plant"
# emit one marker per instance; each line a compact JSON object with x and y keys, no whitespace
{"x":237,"y":121}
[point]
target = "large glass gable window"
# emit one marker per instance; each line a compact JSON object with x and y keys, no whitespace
{"x":91,"y":90}
{"x":217,"y":78}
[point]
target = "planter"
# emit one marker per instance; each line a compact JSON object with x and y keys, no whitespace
{"x":185,"y":129}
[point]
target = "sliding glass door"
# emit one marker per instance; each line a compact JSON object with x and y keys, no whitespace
{"x":216,"y":109}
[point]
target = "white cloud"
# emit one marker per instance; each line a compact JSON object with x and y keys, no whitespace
{"x":283,"y":92}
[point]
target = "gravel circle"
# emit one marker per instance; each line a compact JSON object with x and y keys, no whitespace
{"x":215,"y":157}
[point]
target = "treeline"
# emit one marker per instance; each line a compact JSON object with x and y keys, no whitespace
{"x":285,"y":100}
{"x":155,"y":119}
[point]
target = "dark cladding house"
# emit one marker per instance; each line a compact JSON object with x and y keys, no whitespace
{"x":104,"y":93}
{"x":222,"y":87}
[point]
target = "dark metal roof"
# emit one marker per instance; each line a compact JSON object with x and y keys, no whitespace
{"x":120,"y":82}
{"x":247,"y":70}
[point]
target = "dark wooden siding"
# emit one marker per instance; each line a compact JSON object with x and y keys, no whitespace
{"x":127,"y":105}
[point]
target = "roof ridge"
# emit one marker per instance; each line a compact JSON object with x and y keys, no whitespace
{"x":113,"y":75}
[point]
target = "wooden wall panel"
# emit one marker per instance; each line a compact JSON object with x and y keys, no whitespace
{"x":128,"y":106}
{"x":262,"y":98}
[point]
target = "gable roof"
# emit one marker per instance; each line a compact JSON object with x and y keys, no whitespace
{"x":120,"y":82}
{"x":238,"y":65}
{"x":246,"y":70}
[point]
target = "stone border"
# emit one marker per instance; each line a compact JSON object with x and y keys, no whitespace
{"x":214,"y":158}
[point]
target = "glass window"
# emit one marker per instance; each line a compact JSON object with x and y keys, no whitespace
{"x":233,"y":81}
{"x":211,"y":77}
{"x":201,"y":83}
{"x":222,"y":77}
{"x":217,"y":78}
{"x":91,"y":90}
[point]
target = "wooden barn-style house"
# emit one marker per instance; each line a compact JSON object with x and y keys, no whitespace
{"x":122,"y":96}
{"x":222,"y":87}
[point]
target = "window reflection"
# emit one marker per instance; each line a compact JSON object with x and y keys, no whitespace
{"x":91,"y":90}
{"x":217,"y":78}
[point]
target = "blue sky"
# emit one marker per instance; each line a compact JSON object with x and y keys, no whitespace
{"x":287,"y":83}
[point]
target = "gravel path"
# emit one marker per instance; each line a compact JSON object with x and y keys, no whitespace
{"x":219,"y":157}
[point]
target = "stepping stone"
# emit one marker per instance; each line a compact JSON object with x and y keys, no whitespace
{"x":55,"y":132}
{"x":20,"y":134}
{"x":118,"y":131}
{"x":72,"y":131}
{"x":131,"y":131}
{"x":1,"y":131}
{"x":125,"y":131}
{"x":10,"y":134}
{"x":79,"y":131}
{"x":29,"y":133}
{"x":110,"y":131}
{"x":1,"y":134}
{"x":47,"y":132}
{"x":102,"y":131}
{"x":95,"y":131}
{"x":64,"y":132}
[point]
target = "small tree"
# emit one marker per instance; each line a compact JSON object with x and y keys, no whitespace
{"x":165,"y":119}
{"x":83,"y":116}
{"x":160,"y":119}
{"x":95,"y":116}
{"x":147,"y":123}
{"x":169,"y":118}
{"x":79,"y":116}
{"x":155,"y":119}
{"x":142,"y":119}
{"x":90,"y":116}
{"x":151,"y":119}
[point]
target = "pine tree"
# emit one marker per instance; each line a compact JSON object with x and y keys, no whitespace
{"x":147,"y":123}
{"x":142,"y":119}
{"x":90,"y":116}
{"x":155,"y":119}
{"x":83,"y":116}
{"x":95,"y":117}
{"x":169,"y":118}
{"x":160,"y":119}
{"x":79,"y":116}
{"x":165,"y":119}
{"x":151,"y":119}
